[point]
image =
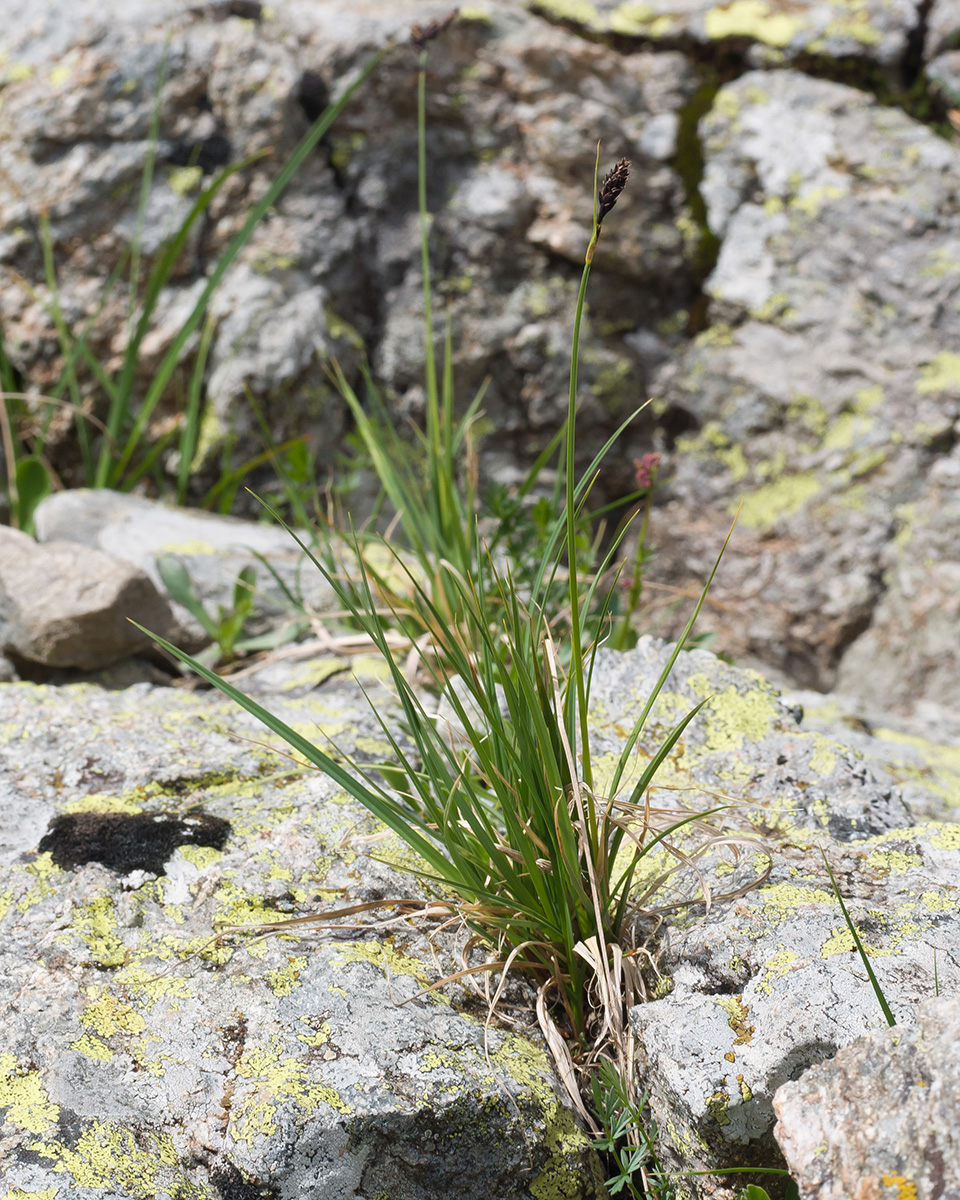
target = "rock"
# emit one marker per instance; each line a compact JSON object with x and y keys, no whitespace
{"x":66,"y":606}
{"x":753,"y":990}
{"x":766,"y":982}
{"x":921,"y":755}
{"x":882,"y":1114}
{"x":944,"y":75}
{"x":874,"y":32}
{"x":745,"y":748}
{"x":943,"y":24}
{"x":140,"y":1058}
{"x":214,"y":550}
{"x":762,"y":989}
{"x":824,"y":394}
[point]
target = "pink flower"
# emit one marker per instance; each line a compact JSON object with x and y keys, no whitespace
{"x":645,"y":471}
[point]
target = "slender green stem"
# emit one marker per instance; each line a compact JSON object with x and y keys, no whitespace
{"x":431,"y":365}
{"x":858,"y":944}
{"x":621,"y":636}
{"x":576,"y":644}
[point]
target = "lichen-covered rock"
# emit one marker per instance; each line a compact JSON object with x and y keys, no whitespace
{"x":920,"y":755}
{"x":825,"y":392}
{"x":881,"y":1118}
{"x":304,"y":1065}
{"x":766,"y":982}
{"x":874,"y":31}
{"x":63,"y":605}
{"x":745,"y":748}
{"x":772,"y":984}
{"x":214,"y":550}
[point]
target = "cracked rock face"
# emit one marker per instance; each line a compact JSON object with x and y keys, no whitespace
{"x":516,"y":105}
{"x":826,"y":390}
{"x":821,"y":383}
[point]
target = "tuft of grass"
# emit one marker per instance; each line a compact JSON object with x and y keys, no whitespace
{"x":505,"y":815}
{"x":498,"y":798}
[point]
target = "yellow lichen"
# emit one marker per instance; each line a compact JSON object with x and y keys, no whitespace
{"x":781,"y":899}
{"x":763,"y":508}
{"x":752,"y":18}
{"x":96,"y":925}
{"x":24,"y":1097}
{"x":93,"y":1048}
{"x":274,"y":1079}
{"x":108,"y":1015}
{"x":940,"y":374}
{"x":283,"y":980}
{"x":733,"y":717}
{"x":811,"y":202}
{"x":129,"y":802}
{"x":776,"y":967}
{"x":906,"y":1190}
{"x":109,"y":1156}
{"x":738,"y":1013}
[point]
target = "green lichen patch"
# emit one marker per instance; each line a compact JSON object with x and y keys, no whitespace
{"x":762,"y":509}
{"x":274,"y":1079}
{"x":109,"y":1156}
{"x":24,"y":1098}
{"x":940,"y":374}
{"x":95,"y":924}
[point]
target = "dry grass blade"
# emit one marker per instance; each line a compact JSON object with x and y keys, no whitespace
{"x":566,"y":1070}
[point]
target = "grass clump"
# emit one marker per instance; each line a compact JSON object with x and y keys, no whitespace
{"x":498,"y":799}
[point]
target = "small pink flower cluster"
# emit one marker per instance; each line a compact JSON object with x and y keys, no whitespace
{"x":645,"y":471}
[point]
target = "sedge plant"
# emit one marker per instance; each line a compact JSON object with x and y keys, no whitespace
{"x":507,"y":818}
{"x":500,"y":801}
{"x":432,"y":487}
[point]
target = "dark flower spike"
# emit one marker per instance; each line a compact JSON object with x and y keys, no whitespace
{"x":421,"y":35}
{"x":611,"y":186}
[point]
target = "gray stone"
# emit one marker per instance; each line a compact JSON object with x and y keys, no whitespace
{"x":944,"y":75}
{"x":745,"y":748}
{"x":920,"y":754}
{"x":768,"y":978}
{"x":824,"y":394}
{"x":214,"y":549}
{"x":139,"y":1058}
{"x":765,"y":981}
{"x":943,"y":25}
{"x":67,"y":606}
{"x":883,"y":1114}
{"x":761,"y":989}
